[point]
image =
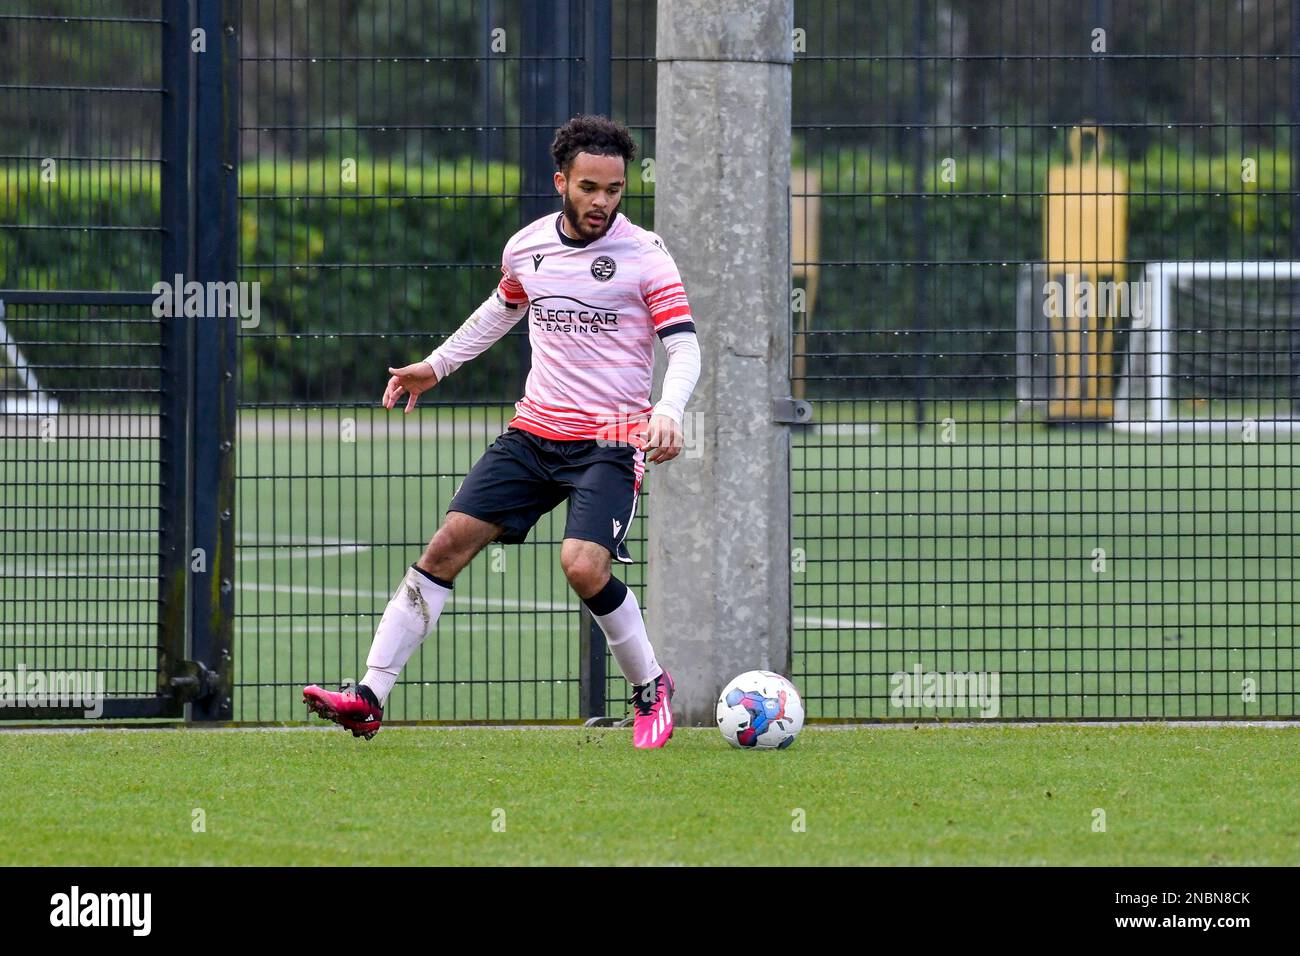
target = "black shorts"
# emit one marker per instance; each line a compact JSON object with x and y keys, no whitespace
{"x":523,"y":476}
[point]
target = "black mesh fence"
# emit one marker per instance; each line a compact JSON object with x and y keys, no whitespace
{"x":1048,"y":331}
{"x":1043,"y":261}
{"x":85,"y":439}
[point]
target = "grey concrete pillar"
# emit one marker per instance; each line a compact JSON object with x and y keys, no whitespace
{"x":718,"y":584}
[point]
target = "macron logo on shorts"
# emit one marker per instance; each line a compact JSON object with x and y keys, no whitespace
{"x":617,"y":527}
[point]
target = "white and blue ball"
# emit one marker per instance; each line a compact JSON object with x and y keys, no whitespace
{"x":760,"y":710}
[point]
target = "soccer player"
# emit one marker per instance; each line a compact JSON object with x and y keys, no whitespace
{"x":596,"y":289}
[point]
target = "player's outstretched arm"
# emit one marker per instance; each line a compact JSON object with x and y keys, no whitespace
{"x":490,"y":321}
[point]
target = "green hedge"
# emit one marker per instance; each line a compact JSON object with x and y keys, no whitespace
{"x":405,"y":251}
{"x":357,"y":275}
{"x":979,"y":228}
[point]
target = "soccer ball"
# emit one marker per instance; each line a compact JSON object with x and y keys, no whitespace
{"x":760,"y":710}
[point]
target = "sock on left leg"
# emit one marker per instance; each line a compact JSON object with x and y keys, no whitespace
{"x":616,"y":610}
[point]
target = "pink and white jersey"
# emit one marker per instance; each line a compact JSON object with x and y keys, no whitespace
{"x":594,"y":308}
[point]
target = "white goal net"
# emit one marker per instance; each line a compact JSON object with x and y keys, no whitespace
{"x":1216,"y":350}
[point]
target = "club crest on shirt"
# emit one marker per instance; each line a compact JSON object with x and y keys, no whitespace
{"x":603,"y":269}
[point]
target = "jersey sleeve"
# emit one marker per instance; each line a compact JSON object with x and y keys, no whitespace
{"x":510,"y":289}
{"x":662,"y":290}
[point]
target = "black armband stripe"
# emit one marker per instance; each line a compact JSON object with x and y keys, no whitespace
{"x":674,"y":329}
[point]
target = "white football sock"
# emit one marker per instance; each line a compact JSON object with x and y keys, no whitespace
{"x":625,"y":633}
{"x":409,"y":618}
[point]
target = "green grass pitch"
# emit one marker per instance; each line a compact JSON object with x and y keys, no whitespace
{"x":985,"y":795}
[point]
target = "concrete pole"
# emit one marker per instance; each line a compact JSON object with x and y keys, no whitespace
{"x":718,"y":580}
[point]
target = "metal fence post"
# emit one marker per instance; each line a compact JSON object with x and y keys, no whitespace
{"x":591,"y":665}
{"x":1293,"y":144}
{"x":918,"y":274}
{"x":593,"y":82}
{"x":597,"y":52}
{"x":564,"y":72}
{"x":216,"y":149}
{"x":546,"y":97}
{"x":176,"y":351}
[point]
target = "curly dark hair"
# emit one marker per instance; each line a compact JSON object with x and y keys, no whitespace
{"x":598,"y":135}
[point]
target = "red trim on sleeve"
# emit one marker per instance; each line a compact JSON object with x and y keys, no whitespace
{"x":658,"y":292}
{"x":663,"y":318}
{"x":511,"y":290}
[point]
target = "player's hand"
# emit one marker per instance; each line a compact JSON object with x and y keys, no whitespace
{"x":413,"y":380}
{"x":663,"y":440}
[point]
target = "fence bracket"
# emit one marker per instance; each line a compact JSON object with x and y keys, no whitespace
{"x":791,"y":411}
{"x":191,"y":681}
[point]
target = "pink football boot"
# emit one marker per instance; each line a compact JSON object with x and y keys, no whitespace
{"x":653,"y":721}
{"x":347,"y":708}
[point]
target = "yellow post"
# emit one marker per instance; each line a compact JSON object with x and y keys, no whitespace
{"x":805,"y":251}
{"x":1085,"y":230}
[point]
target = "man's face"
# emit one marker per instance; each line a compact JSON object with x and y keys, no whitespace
{"x":591,"y":190}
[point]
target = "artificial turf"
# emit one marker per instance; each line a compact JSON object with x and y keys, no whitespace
{"x":1171,"y":795}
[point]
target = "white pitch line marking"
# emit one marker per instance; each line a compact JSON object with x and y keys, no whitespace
{"x":493,"y":603}
{"x":316,"y":546}
{"x":364,"y":629}
{"x":72,"y":566}
{"x":298,"y":554}
{"x":460,"y":604}
{"x":836,"y":623}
